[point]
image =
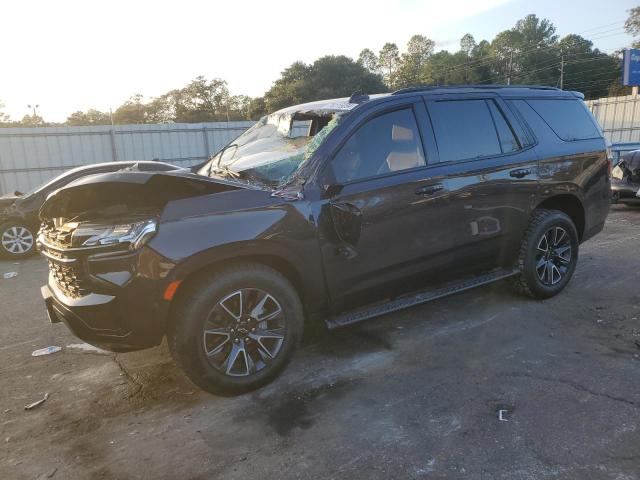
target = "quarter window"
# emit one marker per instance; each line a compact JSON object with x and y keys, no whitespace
{"x":569,"y":119}
{"x":387,"y":143}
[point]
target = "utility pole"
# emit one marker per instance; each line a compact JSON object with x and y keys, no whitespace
{"x":510,"y":67}
{"x":561,"y":71}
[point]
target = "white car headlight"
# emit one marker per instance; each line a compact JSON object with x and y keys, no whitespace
{"x":135,"y":233}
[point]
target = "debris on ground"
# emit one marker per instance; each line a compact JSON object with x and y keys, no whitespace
{"x":8,"y":275}
{"x":33,"y":405}
{"x":46,"y":351}
{"x":88,"y":348}
{"x":502,"y":414}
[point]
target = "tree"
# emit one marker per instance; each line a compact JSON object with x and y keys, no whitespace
{"x":419,"y":49}
{"x":32,"y":121}
{"x":4,"y":118}
{"x":467,"y":44}
{"x":131,"y":111}
{"x":289,"y":88}
{"x":369,"y":60}
{"x":389,"y":60}
{"x":632,"y":24}
{"x":329,"y":77}
{"x":90,"y":117}
{"x":587,"y":69}
{"x":257,"y":108}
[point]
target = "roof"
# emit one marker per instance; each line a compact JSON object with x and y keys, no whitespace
{"x":343,"y":104}
{"x":503,"y":90}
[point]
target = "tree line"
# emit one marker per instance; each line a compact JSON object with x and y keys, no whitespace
{"x":528,"y":53}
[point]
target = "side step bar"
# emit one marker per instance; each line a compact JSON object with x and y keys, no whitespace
{"x":360,"y":314}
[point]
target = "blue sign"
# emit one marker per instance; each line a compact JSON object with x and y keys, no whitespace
{"x":631,"y":67}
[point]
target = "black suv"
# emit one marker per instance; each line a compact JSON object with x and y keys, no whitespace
{"x":333,"y":211}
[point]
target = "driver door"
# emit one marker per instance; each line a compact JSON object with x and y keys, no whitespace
{"x":384,"y":219}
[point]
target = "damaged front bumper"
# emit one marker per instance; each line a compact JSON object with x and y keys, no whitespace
{"x":108,"y":296}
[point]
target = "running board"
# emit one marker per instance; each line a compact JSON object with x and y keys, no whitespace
{"x":360,"y":314}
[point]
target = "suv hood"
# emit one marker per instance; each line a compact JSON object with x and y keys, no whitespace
{"x":124,"y":192}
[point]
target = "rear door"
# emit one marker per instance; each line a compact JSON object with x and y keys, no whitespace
{"x":491,"y":170}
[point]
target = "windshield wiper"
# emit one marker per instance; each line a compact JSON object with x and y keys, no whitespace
{"x":220,"y":154}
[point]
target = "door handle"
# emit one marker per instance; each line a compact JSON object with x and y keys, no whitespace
{"x":427,"y":190}
{"x":520,"y":172}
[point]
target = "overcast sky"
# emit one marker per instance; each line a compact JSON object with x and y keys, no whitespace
{"x":70,"y":55}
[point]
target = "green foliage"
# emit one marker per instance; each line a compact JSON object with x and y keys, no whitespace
{"x":328,"y":77}
{"x":90,"y":117}
{"x":413,"y":62}
{"x":3,"y":116}
{"x":389,"y":61}
{"x":632,"y":24}
{"x":369,"y":60}
{"x":528,"y":53}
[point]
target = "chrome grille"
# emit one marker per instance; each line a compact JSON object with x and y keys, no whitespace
{"x":57,"y":237}
{"x":69,"y":279}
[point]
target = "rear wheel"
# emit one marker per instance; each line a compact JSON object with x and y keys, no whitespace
{"x":236,"y":329}
{"x":548,"y":254}
{"x":16,"y":240}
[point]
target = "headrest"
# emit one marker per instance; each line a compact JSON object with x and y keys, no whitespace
{"x":401,"y":134}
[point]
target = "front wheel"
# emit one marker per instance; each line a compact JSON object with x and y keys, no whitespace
{"x":548,"y":254}
{"x":17,"y":240}
{"x":236,"y":328}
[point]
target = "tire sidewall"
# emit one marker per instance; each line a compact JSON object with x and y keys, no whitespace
{"x":18,"y":224}
{"x":539,"y":289}
{"x":187,"y":326}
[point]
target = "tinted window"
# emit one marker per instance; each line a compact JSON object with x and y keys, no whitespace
{"x":508,"y":142}
{"x":387,"y":143}
{"x":569,"y":119}
{"x":464,"y":129}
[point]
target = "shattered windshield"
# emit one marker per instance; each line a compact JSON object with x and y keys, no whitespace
{"x":275,"y":147}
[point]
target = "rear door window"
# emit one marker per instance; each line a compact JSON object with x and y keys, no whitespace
{"x":569,"y":119}
{"x":508,"y":140}
{"x":387,"y":143}
{"x":464,"y":129}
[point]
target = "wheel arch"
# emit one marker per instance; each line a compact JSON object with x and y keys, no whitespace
{"x":571,"y":206}
{"x":274,"y":261}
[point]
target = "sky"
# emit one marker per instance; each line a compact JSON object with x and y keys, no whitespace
{"x":69,"y":55}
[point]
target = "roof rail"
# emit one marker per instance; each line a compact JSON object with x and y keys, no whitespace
{"x":421,"y":88}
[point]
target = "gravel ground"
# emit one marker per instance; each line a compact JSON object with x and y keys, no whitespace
{"x":413,"y":394}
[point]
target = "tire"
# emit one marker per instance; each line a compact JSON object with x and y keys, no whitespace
{"x":17,"y":240}
{"x":222,"y":354}
{"x":548,"y":254}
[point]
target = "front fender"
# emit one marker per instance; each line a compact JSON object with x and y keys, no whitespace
{"x":196,"y":233}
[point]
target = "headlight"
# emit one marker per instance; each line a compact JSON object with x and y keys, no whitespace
{"x":134,"y":233}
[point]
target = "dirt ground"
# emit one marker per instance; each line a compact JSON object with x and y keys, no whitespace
{"x":413,"y":394}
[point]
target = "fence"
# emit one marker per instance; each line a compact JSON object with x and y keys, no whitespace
{"x":619,"y":117}
{"x":31,"y":156}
